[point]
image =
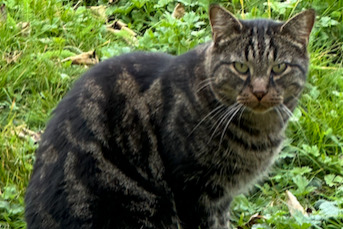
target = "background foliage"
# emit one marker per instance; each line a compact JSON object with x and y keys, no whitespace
{"x":37,"y":39}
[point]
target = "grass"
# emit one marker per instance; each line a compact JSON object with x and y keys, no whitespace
{"x":36,"y":37}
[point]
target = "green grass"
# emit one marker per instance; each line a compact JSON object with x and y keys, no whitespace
{"x":310,"y":165}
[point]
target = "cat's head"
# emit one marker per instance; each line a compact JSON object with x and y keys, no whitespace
{"x":260,"y":64}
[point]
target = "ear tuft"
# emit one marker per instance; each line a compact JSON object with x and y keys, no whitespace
{"x":223,"y":23}
{"x":300,"y":26}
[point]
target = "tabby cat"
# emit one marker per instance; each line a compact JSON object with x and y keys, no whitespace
{"x":149,"y":140}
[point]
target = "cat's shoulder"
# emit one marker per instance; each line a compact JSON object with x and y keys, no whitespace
{"x":135,"y":64}
{"x":139,"y":58}
{"x":140,"y":67}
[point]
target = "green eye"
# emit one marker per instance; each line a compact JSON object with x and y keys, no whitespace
{"x":241,"y":68}
{"x":279,"y":68}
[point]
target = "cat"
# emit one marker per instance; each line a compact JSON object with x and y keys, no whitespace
{"x":150,"y":140}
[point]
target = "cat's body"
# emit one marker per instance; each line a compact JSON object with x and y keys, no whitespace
{"x":156,"y":141}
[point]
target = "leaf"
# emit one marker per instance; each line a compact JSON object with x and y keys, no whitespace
{"x":179,"y":11}
{"x":25,"y":28}
{"x":301,"y":182}
{"x":296,"y":115}
{"x":139,"y":3}
{"x":188,"y":2}
{"x":86,"y":58}
{"x":314,"y":93}
{"x":64,"y":76}
{"x":332,"y":180}
{"x":301,"y":170}
{"x":120,"y":28}
{"x":118,"y":25}
{"x":254,"y":219}
{"x":302,"y":221}
{"x":191,"y":18}
{"x":293,"y":204}
{"x":4,"y":205}
{"x":25,"y":133}
{"x":100,"y":11}
{"x":12,"y":57}
{"x":329,"y":180}
{"x":327,"y":21}
{"x":16,"y":209}
{"x":10,"y":192}
{"x":311,"y":150}
{"x":3,"y":13}
{"x":162,"y":3}
{"x":328,"y":208}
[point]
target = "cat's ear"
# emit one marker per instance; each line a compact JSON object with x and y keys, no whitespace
{"x":223,"y":23}
{"x":300,"y":25}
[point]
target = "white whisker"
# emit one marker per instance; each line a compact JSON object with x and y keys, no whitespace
{"x":203,"y":84}
{"x":295,"y":120}
{"x":286,"y":110}
{"x":228,"y":122}
{"x":223,"y":117}
{"x":214,"y":112}
{"x":278,"y":111}
{"x":240,"y":115}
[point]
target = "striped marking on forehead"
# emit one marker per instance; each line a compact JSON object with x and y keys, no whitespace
{"x":260,"y":46}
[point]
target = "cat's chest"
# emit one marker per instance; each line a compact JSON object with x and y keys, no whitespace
{"x":240,"y":158}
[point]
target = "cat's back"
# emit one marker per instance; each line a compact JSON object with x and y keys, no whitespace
{"x":98,"y":102}
{"x":103,"y":90}
{"x":143,"y":67}
{"x":85,"y":139}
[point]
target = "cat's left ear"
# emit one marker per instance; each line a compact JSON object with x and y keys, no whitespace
{"x":223,"y":23}
{"x":300,"y":25}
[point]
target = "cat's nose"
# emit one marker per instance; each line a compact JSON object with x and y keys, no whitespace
{"x":259,"y":94}
{"x":259,"y":87}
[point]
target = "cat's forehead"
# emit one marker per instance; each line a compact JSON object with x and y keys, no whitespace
{"x":261,"y":25}
{"x":258,"y":42}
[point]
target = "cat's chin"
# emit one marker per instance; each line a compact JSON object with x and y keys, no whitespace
{"x":260,"y":108}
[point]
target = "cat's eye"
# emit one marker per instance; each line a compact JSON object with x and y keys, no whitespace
{"x":279,"y":68}
{"x":241,"y":68}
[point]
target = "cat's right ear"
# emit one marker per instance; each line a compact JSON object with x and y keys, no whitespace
{"x":223,"y":24}
{"x":300,"y":26}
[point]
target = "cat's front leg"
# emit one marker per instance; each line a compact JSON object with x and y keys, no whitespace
{"x":217,"y":216}
{"x":219,"y":220}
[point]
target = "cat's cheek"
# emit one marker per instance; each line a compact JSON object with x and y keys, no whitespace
{"x":293,"y":90}
{"x":291,"y":97}
{"x":225,"y":93}
{"x":290,"y":85}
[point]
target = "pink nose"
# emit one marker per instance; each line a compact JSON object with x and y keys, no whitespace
{"x":259,"y":87}
{"x":259,"y":94}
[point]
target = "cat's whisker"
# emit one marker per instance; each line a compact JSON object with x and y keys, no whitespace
{"x":203,"y":87}
{"x":219,"y":122}
{"x":214,"y":112}
{"x":296,"y":98}
{"x":286,"y":110}
{"x":240,"y":115}
{"x":295,"y":120}
{"x":205,"y":83}
{"x":223,"y":117}
{"x":279,"y":114}
{"x":238,"y":108}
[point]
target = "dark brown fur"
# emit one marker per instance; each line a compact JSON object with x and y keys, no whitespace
{"x":150,"y":140}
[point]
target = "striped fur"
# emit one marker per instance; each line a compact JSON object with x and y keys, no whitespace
{"x":149,"y":140}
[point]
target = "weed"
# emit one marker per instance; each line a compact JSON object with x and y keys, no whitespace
{"x":37,"y":36}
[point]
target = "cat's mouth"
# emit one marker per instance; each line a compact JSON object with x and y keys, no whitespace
{"x":260,"y":105}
